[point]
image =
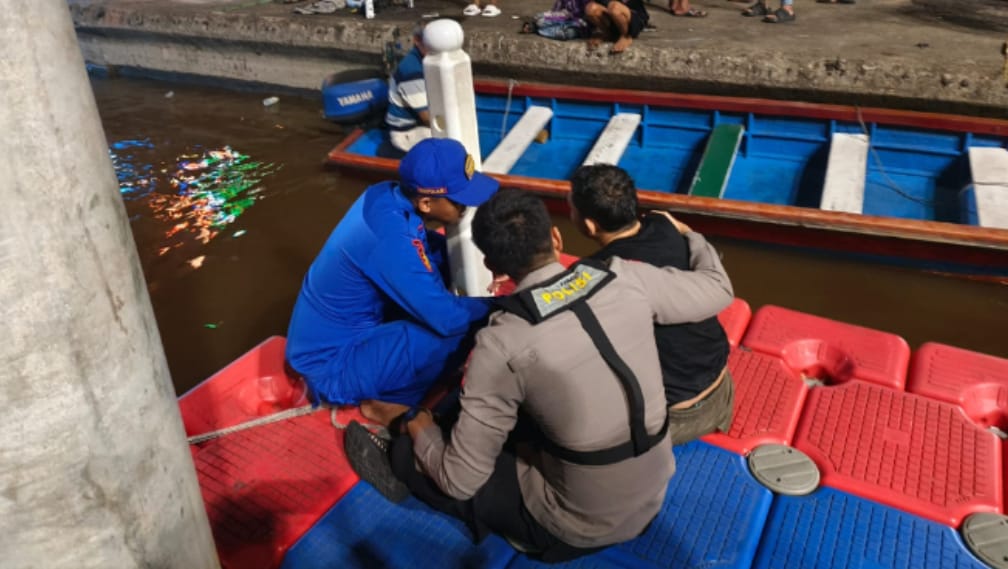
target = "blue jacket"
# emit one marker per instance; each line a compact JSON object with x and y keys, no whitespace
{"x":376,"y":266}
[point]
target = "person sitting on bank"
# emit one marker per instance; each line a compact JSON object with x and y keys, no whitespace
{"x":618,"y":20}
{"x":698,"y":386}
{"x":559,"y":360}
{"x":375,"y":319}
{"x":407,"y":117}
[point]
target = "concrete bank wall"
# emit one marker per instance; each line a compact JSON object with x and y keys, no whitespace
{"x":948,"y":69}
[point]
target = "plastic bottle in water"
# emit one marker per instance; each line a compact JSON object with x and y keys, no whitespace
{"x":369,"y":9}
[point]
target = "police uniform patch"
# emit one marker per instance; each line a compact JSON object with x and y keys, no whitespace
{"x":418,"y":245}
{"x":578,"y":282}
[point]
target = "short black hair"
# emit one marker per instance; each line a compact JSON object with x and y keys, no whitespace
{"x":512,"y":229}
{"x":606,"y":194}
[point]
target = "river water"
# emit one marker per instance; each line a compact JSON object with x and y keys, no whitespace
{"x":229,"y":203}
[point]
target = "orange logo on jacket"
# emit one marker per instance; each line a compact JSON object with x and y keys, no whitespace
{"x":418,"y":244}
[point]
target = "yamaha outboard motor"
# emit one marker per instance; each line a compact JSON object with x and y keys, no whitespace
{"x":355,"y":95}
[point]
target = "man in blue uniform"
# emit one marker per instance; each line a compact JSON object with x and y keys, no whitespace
{"x":407,"y":116}
{"x":374,"y":319}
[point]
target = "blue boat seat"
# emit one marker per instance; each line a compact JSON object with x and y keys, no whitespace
{"x":989,"y":167}
{"x":518,"y":139}
{"x":613,"y":141}
{"x":711,"y":176}
{"x":846,"y":171}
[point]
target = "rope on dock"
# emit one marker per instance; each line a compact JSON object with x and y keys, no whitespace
{"x":282,"y":415}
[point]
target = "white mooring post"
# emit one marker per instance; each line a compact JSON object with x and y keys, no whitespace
{"x":95,"y":470}
{"x":452,"y":104}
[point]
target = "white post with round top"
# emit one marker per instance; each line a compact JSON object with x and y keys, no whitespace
{"x":451,"y":101}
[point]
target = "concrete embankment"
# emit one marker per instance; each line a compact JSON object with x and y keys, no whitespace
{"x":894,"y":53}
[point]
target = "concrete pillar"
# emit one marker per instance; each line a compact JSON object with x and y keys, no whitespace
{"x":451,"y":101}
{"x":94,"y":466}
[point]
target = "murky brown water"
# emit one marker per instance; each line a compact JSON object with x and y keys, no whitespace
{"x":249,"y":273}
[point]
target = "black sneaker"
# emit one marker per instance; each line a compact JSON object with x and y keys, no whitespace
{"x":368,"y":456}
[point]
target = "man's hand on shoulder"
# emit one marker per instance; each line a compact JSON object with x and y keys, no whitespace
{"x":681,"y":227}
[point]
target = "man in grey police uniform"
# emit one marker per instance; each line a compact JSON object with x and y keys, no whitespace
{"x":573,"y":353}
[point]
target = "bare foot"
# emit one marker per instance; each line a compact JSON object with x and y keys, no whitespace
{"x":381,"y":412}
{"x":621,"y":44}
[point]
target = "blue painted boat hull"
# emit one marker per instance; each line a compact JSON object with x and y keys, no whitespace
{"x":918,"y":207}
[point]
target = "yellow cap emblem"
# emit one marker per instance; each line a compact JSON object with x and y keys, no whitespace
{"x":470,"y":166}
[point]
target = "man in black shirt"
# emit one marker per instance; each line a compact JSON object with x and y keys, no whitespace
{"x":618,"y":20}
{"x":698,"y":387}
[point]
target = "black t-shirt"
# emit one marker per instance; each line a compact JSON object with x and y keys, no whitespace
{"x":638,"y":6}
{"x":692,"y":355}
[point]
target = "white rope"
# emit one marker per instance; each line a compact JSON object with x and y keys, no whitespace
{"x":285,"y":414}
{"x":507,"y":107}
{"x":376,"y":429}
{"x":282,"y":415}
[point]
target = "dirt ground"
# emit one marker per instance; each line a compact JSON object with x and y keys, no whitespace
{"x":940,"y":55}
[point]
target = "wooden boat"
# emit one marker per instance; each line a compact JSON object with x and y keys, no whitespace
{"x":918,"y":189}
{"x":909,"y":465}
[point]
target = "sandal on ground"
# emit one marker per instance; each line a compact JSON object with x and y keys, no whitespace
{"x":320,"y":7}
{"x":779,"y":17}
{"x":472,"y":10}
{"x":368,"y":456}
{"x":691,"y":13}
{"x":491,"y":10}
{"x":757,"y":9}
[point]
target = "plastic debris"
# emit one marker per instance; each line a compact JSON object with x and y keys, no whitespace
{"x":169,"y":94}
{"x":210,"y":325}
{"x":270,"y":101}
{"x":196,"y":197}
{"x":239,"y":233}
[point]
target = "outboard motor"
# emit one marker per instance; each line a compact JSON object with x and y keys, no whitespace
{"x":355,"y":95}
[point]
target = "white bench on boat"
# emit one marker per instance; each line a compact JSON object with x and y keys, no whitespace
{"x":845,"y":173}
{"x":611,"y":144}
{"x":989,"y":167}
{"x":518,"y":139}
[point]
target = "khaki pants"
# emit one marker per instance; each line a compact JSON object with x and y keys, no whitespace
{"x":712,"y":413}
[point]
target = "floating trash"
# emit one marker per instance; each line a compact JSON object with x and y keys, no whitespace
{"x":270,"y":101}
{"x":239,"y":233}
{"x":212,"y":191}
{"x":196,"y":197}
{"x":134,"y":175}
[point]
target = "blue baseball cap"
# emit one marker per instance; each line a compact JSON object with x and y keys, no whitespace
{"x":441,"y":168}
